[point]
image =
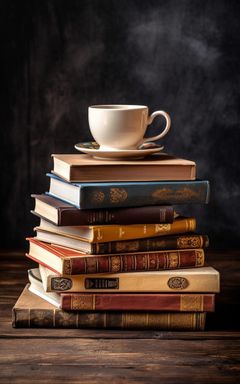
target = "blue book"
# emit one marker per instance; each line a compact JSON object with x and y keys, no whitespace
{"x":128,"y":194}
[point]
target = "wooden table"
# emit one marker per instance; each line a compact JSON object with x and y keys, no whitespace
{"x":95,"y":356}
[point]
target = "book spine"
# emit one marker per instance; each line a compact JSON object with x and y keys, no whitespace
{"x":57,"y":318}
{"x":134,"y":262}
{"x":151,"y":244}
{"x":135,"y":195}
{"x":126,"y":232}
{"x":137,"y":302}
{"x":146,"y":215}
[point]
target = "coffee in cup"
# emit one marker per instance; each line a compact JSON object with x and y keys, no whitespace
{"x":119,"y":127}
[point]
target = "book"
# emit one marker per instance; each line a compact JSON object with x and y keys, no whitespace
{"x":71,"y":262}
{"x":184,"y":241}
{"x":32,"y":311}
{"x":122,"y":301}
{"x":36,"y":287}
{"x":192,"y":280}
{"x":105,"y":233}
{"x":76,"y":167}
{"x":128,"y":194}
{"x":63,"y":214}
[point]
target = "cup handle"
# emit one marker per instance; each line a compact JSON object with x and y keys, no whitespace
{"x":166,"y":129}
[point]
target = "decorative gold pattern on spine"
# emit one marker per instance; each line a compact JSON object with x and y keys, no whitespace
{"x":67,"y":267}
{"x":173,"y":260}
{"x":199,"y":258}
{"x":190,"y":242}
{"x":83,"y":302}
{"x":191,"y":303}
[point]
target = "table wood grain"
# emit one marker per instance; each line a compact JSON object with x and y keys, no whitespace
{"x":104,"y":356}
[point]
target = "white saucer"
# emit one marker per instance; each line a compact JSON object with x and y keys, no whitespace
{"x":92,"y":148}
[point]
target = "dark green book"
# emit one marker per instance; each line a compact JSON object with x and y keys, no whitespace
{"x":129,"y":194}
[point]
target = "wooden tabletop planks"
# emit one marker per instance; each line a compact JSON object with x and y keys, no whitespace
{"x":98,"y":356}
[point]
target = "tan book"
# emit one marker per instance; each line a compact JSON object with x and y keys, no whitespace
{"x":75,"y":167}
{"x":104,"y":233}
{"x":31,"y":310}
{"x":203,"y":279}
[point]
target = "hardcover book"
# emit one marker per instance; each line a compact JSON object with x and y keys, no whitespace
{"x":76,"y":167}
{"x":129,"y":194}
{"x":71,"y":262}
{"x":194,"y":280}
{"x":32,"y":311}
{"x":158,"y":243}
{"x":105,"y":233}
{"x":122,"y":301}
{"x":63,"y":214}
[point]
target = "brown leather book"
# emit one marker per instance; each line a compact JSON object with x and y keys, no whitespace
{"x":64,"y":214}
{"x":71,"y":262}
{"x":76,"y":167}
{"x":32,"y":311}
{"x":137,"y":302}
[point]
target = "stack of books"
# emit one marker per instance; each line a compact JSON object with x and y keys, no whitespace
{"x":113,"y":250}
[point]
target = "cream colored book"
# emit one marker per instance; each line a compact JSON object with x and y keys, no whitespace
{"x":203,"y":279}
{"x":76,"y":167}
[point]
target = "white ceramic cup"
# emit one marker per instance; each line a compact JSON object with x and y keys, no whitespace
{"x":118,"y":127}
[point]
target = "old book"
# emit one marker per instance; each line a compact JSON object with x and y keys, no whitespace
{"x":128,"y":194}
{"x":71,"y":262}
{"x":32,"y":311}
{"x":104,"y":233}
{"x":36,"y":287}
{"x":75,"y":167}
{"x":184,"y":241}
{"x":63,"y":214}
{"x":194,"y":280}
{"x":122,"y":301}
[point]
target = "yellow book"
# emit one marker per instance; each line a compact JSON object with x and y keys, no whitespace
{"x":203,"y":279}
{"x":104,"y":233}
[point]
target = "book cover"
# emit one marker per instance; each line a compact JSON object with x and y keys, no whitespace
{"x":78,"y":167}
{"x":192,"y":280}
{"x":129,"y":194}
{"x":32,"y":311}
{"x":71,"y":262}
{"x":64,"y":214}
{"x":105,"y":233}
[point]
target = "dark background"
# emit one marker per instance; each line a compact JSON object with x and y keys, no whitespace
{"x":59,"y":57}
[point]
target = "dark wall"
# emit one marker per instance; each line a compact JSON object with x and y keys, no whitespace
{"x":59,"y":57}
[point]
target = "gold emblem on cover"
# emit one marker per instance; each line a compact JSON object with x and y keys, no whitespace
{"x":118,"y":195}
{"x":97,"y":197}
{"x":167,"y":194}
{"x":178,"y":283}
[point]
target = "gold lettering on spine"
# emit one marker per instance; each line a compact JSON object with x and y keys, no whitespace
{"x":190,"y":303}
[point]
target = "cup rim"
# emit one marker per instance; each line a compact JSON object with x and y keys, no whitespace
{"x":116,"y":107}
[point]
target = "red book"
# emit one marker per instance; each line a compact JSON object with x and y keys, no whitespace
{"x":138,"y":302}
{"x":71,"y":262}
